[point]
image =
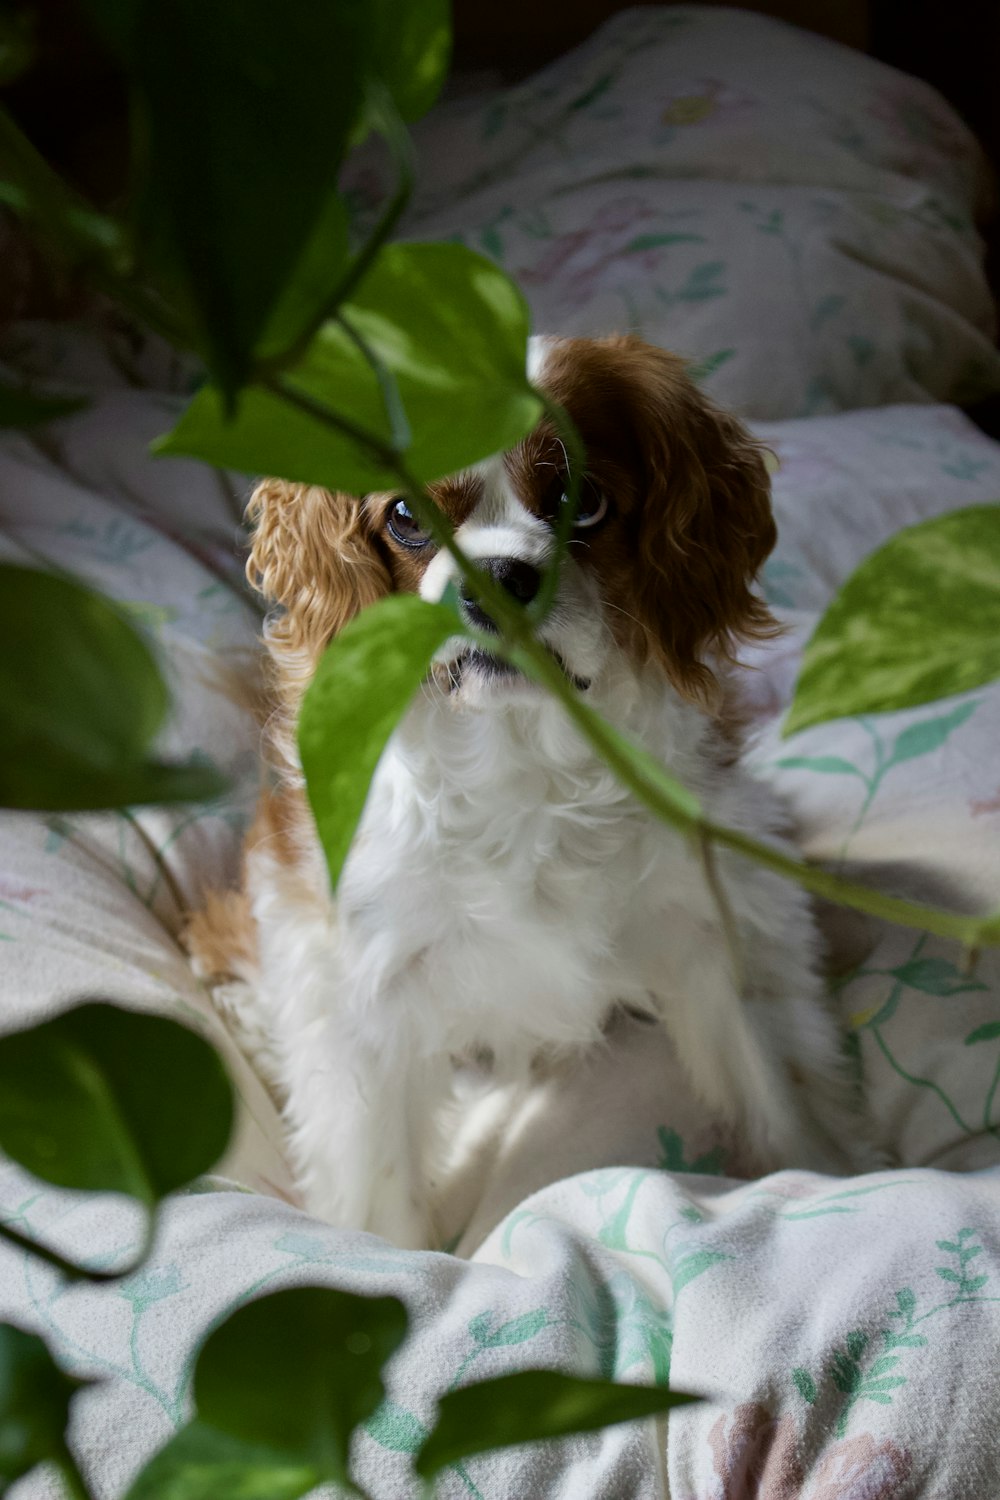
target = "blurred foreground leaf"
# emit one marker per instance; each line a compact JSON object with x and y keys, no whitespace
{"x":34,"y":1405}
{"x":243,"y":116}
{"x":450,"y":331}
{"x":23,"y":408}
{"x":528,"y":1406}
{"x":114,"y":1101}
{"x":279,"y":1387}
{"x":81,"y":698}
{"x":411,"y":50}
{"x":918,"y":620}
{"x":201,"y":1463}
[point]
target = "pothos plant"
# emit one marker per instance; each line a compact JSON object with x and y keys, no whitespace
{"x":357,"y":365}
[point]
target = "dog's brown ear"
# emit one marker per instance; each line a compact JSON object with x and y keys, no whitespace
{"x":313,"y":555}
{"x":706,"y":524}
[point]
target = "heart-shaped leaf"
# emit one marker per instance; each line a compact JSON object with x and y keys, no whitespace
{"x":361,"y":688}
{"x":81,"y":698}
{"x":244,"y":117}
{"x":531,"y":1405}
{"x":411,"y":47}
{"x":296,"y":1371}
{"x":918,"y":620}
{"x":34,"y":1404}
{"x":113,"y":1101}
{"x":450,"y":331}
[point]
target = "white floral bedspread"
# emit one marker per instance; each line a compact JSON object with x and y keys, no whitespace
{"x":845,"y":1330}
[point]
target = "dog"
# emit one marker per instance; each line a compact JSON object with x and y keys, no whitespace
{"x":505,"y":895}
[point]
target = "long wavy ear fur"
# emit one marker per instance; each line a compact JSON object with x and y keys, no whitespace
{"x":313,"y":556}
{"x":706,"y":524}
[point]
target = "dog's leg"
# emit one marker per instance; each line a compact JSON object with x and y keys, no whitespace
{"x":354,"y":1135}
{"x":767,"y":1060}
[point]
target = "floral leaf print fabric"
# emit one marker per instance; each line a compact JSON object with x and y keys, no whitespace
{"x":720,"y":182}
{"x":844,"y":1333}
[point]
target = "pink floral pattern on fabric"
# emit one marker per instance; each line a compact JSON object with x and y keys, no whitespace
{"x":755,"y":1456}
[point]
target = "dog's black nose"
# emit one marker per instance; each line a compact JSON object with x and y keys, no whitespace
{"x":522,"y":580}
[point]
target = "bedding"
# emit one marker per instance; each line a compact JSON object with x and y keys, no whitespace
{"x":845,"y":1330}
{"x":801,"y":221}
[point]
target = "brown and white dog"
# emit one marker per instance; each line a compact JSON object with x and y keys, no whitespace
{"x":505,"y":894}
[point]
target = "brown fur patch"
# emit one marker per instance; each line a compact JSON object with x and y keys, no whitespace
{"x":222,"y":937}
{"x":692,"y":520}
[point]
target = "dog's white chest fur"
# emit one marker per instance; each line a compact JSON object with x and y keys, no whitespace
{"x":505,"y":892}
{"x":507,"y":886}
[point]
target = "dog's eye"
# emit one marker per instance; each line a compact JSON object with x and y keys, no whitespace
{"x":404,"y":526}
{"x":592,"y":508}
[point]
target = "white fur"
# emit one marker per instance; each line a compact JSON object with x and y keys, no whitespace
{"x":505,"y":892}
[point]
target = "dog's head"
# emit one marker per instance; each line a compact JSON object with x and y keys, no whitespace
{"x":673,"y":524}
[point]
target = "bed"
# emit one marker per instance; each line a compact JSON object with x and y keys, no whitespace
{"x":802,"y":223}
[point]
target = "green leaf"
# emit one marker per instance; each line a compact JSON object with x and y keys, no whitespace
{"x":201,"y":1463}
{"x":307,"y":291}
{"x":54,"y":782}
{"x":361,"y":688}
{"x":948,"y":1275}
{"x":930,"y":734}
{"x":804,"y":1384}
{"x":987,"y":1033}
{"x":411,"y":49}
{"x":974,"y":1284}
{"x":113,"y":1101}
{"x":882,"y":1367}
{"x":529,"y":1406}
{"x":450,"y":329}
{"x":75,"y":677}
{"x":829,"y":765}
{"x":20,"y":407}
{"x":34,"y":1404}
{"x":243,"y":120}
{"x":29,"y":186}
{"x":935,"y":976}
{"x":297,"y":1371}
{"x":918,"y":620}
{"x":81,"y":698}
{"x":906,"y":1299}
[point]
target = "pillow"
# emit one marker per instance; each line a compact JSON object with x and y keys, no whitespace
{"x":796,"y":218}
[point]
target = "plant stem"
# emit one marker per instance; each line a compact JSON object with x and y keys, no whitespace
{"x":576,"y":459}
